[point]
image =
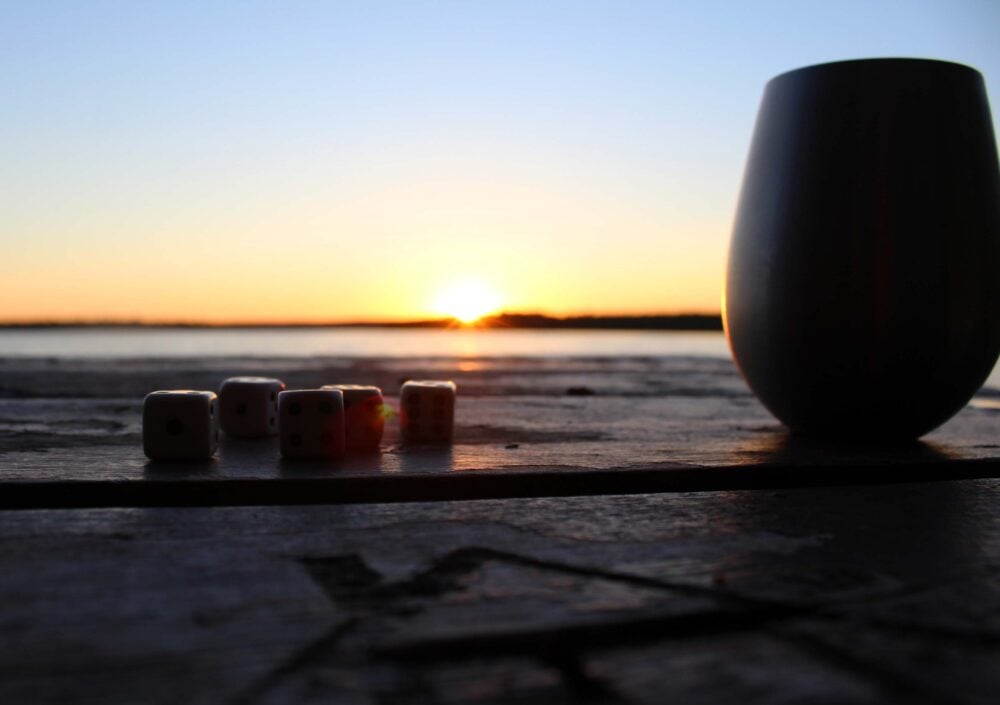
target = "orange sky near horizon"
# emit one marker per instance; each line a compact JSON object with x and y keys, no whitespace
{"x":382,"y":250}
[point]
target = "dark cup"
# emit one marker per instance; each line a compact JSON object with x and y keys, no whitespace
{"x":863,"y":289}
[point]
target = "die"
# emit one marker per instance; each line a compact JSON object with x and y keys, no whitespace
{"x":364,"y":420}
{"x":248,"y":406}
{"x":180,"y":424}
{"x":427,"y":411}
{"x":311,"y":423}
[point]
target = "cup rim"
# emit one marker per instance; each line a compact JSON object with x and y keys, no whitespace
{"x":899,"y":61}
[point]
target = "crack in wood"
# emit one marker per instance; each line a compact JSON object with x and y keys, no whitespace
{"x":578,"y":638}
{"x":341,"y":576}
{"x":312,"y":652}
{"x":582,"y":686}
{"x":347,"y":578}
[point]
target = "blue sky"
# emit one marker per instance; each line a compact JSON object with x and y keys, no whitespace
{"x":165,"y":160}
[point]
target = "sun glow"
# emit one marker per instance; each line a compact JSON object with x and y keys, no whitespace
{"x":467,"y":301}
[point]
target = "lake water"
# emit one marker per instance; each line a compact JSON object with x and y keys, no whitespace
{"x":360,"y":342}
{"x":353,"y":342}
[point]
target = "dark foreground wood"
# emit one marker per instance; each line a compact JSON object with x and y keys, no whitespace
{"x":881,"y":593}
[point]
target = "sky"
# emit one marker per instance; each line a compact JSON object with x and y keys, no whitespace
{"x":334,"y":161}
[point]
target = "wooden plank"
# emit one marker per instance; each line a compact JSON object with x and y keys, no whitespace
{"x":654,"y":425}
{"x":846,"y":594}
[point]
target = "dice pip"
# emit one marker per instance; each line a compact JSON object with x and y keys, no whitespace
{"x":248,"y":406}
{"x":180,"y":424}
{"x":311,"y":423}
{"x":364,"y":420}
{"x":427,"y":411}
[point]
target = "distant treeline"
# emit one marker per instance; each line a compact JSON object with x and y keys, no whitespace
{"x":696,"y":321}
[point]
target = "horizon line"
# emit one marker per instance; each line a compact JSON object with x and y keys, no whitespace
{"x":690,"y":320}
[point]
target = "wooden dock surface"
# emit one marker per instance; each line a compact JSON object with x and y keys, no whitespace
{"x":623,"y":531}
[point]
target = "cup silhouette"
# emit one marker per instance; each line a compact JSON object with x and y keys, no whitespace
{"x":863,"y":288}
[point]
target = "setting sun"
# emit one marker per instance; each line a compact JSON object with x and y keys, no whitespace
{"x":467,"y":301}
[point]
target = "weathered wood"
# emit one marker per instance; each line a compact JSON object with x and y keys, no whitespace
{"x":862,"y":592}
{"x":654,"y":425}
{"x":842,"y":594}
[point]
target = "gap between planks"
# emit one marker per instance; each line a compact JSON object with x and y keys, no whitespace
{"x":472,"y":485}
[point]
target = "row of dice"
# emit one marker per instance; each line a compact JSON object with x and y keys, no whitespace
{"x":184,"y":424}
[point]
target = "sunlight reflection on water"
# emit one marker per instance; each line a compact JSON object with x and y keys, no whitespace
{"x":363,"y":343}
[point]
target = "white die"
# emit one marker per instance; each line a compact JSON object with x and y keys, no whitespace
{"x":248,"y":406}
{"x":311,"y":423}
{"x":180,"y":424}
{"x":427,"y":411}
{"x":364,"y":420}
